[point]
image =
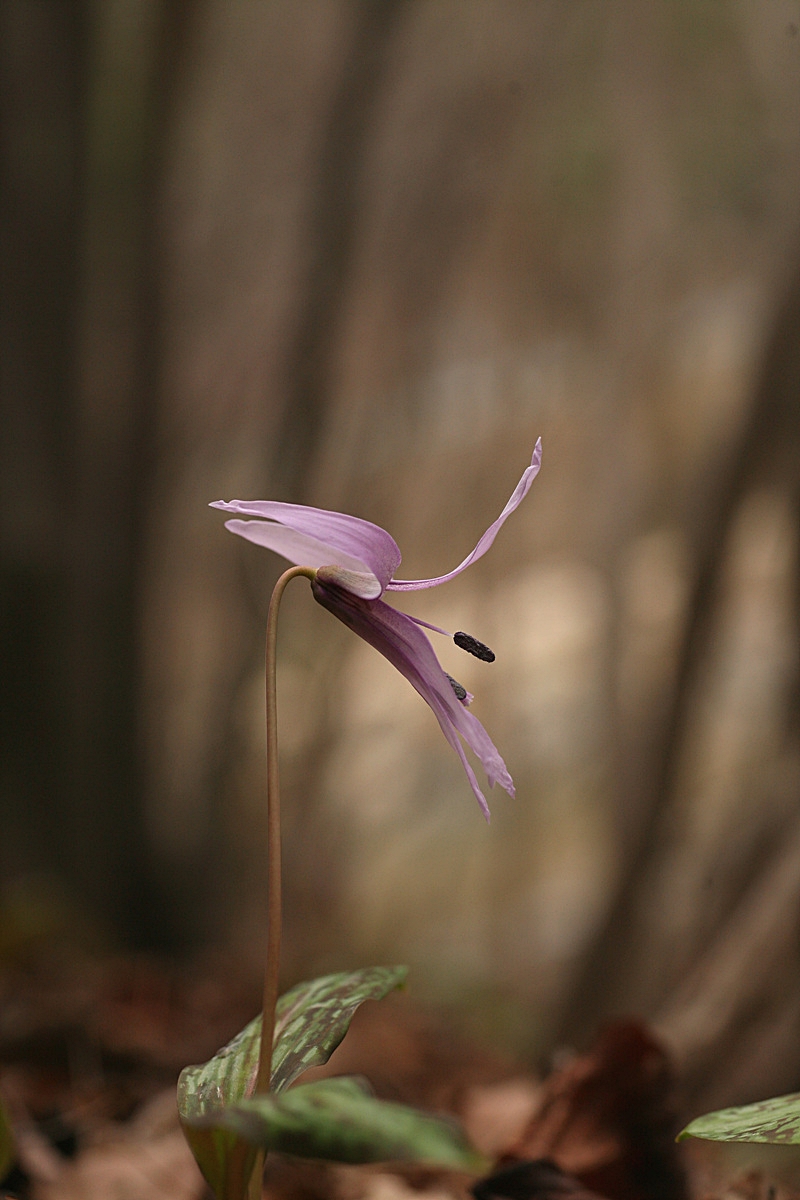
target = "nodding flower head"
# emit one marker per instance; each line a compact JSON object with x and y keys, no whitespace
{"x":355,"y":563}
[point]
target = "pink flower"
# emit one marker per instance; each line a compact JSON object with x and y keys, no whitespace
{"x":355,"y":563}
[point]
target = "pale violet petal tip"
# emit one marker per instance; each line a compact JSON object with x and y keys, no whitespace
{"x":484,"y":543}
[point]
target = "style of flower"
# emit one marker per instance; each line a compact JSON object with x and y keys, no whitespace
{"x":355,"y":564}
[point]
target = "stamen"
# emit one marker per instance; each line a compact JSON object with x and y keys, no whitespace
{"x":466,"y":641}
{"x":427,"y":625}
{"x":458,"y":688}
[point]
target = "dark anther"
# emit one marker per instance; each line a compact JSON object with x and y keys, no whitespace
{"x":458,"y":688}
{"x":472,"y":646}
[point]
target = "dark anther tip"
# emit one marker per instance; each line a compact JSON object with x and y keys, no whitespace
{"x":458,"y":688}
{"x":465,"y":641}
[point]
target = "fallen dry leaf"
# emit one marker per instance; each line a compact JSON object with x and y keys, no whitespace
{"x":607,"y":1118}
{"x":540,"y":1180}
{"x":159,"y":1169}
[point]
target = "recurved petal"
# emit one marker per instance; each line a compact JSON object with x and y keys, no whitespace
{"x":307,"y":551}
{"x":314,"y":537}
{"x":399,"y":639}
{"x":517,"y":496}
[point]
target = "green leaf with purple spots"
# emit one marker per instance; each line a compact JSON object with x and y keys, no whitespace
{"x":775,"y":1121}
{"x":312,"y":1018}
{"x":310,"y":1021}
{"x":339,"y":1121}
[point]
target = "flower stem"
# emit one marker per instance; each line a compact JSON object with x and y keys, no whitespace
{"x":272,"y":969}
{"x":255,"y":1186}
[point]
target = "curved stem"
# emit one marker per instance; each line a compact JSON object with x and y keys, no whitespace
{"x":272,"y":968}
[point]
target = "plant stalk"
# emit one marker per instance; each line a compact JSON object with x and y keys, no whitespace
{"x":272,"y":968}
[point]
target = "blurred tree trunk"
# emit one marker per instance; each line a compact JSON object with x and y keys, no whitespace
{"x":767,"y":452}
{"x":42,"y":64}
{"x":88,"y":89}
{"x":332,"y":232}
{"x":132,"y":66}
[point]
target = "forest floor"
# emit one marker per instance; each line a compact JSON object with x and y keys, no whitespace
{"x":90,"y":1051}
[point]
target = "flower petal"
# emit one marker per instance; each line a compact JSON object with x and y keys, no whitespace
{"x":307,"y":551}
{"x":399,"y":639}
{"x":314,"y":537}
{"x":517,"y":496}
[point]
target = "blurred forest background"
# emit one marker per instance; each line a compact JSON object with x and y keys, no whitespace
{"x":360,"y":255}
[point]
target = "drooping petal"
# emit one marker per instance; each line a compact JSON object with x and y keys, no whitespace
{"x":399,"y":639}
{"x":517,"y":496}
{"x":314,"y":537}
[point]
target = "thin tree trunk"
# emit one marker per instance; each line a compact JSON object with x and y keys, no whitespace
{"x":42,"y":58}
{"x":132,"y":61}
{"x":331,"y":234}
{"x":610,"y":978}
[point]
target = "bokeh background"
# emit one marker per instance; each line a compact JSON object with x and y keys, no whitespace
{"x":361,"y":255}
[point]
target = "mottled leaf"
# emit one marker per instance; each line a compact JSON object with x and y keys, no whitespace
{"x":775,"y":1121}
{"x":338,"y":1120}
{"x":311,"y":1020}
